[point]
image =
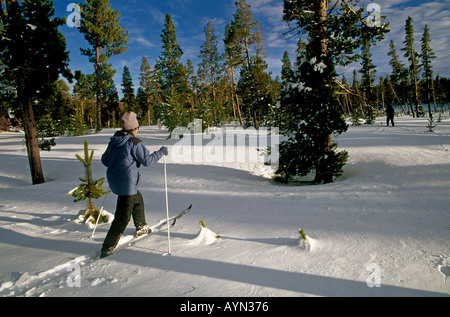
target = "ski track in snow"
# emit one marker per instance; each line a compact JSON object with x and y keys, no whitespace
{"x":389,"y":208}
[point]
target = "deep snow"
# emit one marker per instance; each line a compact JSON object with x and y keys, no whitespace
{"x":385,"y":222}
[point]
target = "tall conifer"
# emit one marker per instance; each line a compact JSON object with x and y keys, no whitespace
{"x":100,"y":26}
{"x":129,"y":98}
{"x":172,"y":76}
{"x":33,"y":56}
{"x":412,"y":56}
{"x":335,"y":30}
{"x":427,"y":55}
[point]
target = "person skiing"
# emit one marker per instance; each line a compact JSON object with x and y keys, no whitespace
{"x":123,"y":157}
{"x":390,"y":114}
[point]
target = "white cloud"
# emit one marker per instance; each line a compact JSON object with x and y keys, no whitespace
{"x":143,"y":41}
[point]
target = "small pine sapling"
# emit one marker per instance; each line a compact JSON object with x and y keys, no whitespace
{"x":431,"y":125}
{"x":302,"y":235}
{"x":305,"y":242}
{"x":89,"y":189}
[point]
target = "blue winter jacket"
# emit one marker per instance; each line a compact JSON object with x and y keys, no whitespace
{"x":123,"y":157}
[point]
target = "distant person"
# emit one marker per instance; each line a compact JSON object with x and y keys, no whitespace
{"x":390,"y":115}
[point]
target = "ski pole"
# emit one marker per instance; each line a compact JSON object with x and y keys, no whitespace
{"x":100,"y":213}
{"x":167,"y":203}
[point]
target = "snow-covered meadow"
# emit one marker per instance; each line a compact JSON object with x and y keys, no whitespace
{"x":382,"y":229}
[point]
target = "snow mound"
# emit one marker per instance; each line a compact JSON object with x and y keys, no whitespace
{"x":106,"y":217}
{"x":309,"y":244}
{"x":205,"y":236}
{"x":306,"y":242}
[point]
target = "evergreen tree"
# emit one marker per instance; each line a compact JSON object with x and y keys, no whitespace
{"x":243,"y":33}
{"x":243,"y":43}
{"x":85,"y":94}
{"x":33,"y":56}
{"x":254,"y":88}
{"x":357,"y":112}
{"x":169,"y":63}
{"x":286,"y":68}
{"x":427,"y":55}
{"x":172,"y":77}
{"x":100,"y":26}
{"x":191,"y":89}
{"x":110,"y":97}
{"x":412,"y":56}
{"x":399,"y":81}
{"x":368,"y":71}
{"x":90,"y":188}
{"x":211,"y":59}
{"x":129,"y":98}
{"x":232,"y":61}
{"x":149,"y":89}
{"x":210,"y":69}
{"x":334,"y":31}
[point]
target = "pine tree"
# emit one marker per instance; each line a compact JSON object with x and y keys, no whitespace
{"x":100,"y":26}
{"x":129,"y":98}
{"x":192,"y":90}
{"x":33,"y":56}
{"x":90,"y":188}
{"x":210,"y":68}
{"x":232,"y":61}
{"x":110,"y":97}
{"x":84,"y":91}
{"x":169,"y":63}
{"x":399,"y":81}
{"x":254,"y":88}
{"x":286,"y":68}
{"x":172,"y":77}
{"x":211,"y":59}
{"x":427,"y":55}
{"x":244,"y":33}
{"x":412,"y":56}
{"x":368,"y":71}
{"x":334,"y":33}
{"x":243,"y":42}
{"x":149,"y":89}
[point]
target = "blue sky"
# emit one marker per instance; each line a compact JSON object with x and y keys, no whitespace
{"x":144,"y":20}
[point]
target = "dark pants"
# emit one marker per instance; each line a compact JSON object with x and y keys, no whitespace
{"x":391,"y":119}
{"x":127,"y":206}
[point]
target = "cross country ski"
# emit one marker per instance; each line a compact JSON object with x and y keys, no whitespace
{"x":130,"y":239}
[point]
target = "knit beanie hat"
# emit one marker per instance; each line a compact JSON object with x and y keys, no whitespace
{"x":129,"y":121}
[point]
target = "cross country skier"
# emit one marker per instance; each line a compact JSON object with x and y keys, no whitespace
{"x":123,"y":157}
{"x":390,"y":115}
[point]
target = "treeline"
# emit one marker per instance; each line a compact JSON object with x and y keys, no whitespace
{"x":308,"y":103}
{"x":233,"y":85}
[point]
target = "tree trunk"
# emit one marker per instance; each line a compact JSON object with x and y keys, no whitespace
{"x":325,"y":176}
{"x":237,"y":97}
{"x":34,"y":158}
{"x":99,"y":95}
{"x":323,"y":5}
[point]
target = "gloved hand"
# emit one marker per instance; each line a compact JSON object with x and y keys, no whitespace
{"x":164,"y":150}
